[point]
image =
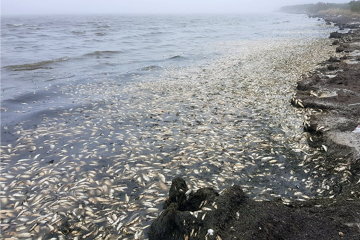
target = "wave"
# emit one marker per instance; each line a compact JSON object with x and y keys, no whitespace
{"x":103,"y":26}
{"x":101,"y":53}
{"x":36,"y":28}
{"x":150,"y":68}
{"x":29,"y":26}
{"x":280,"y":22}
{"x":158,"y":32}
{"x":147,"y":34}
{"x":14,"y":25}
{"x":176,"y":57}
{"x":59,"y":77}
{"x":37,"y":65}
{"x":78,"y":32}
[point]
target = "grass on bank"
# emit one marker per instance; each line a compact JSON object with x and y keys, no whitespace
{"x":342,"y":12}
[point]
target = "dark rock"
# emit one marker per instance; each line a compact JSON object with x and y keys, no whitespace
{"x":307,"y":84}
{"x":340,"y":49}
{"x":203,"y":194}
{"x":336,"y":35}
{"x":332,"y":67}
{"x":352,"y":25}
{"x":177,"y":193}
{"x":336,"y":42}
{"x":333,"y":60}
{"x":196,"y":213}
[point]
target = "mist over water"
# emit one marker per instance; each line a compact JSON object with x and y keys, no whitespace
{"x":102,"y":112}
{"x":147,"y":7}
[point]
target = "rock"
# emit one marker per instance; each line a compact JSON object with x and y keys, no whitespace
{"x":336,"y":35}
{"x":332,"y":67}
{"x":340,"y":49}
{"x":307,"y":84}
{"x":203,"y":194}
{"x":333,"y":59}
{"x":336,"y":42}
{"x":177,"y":193}
{"x":352,"y":25}
{"x":187,"y":215}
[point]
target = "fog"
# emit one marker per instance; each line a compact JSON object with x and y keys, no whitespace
{"x":19,"y":7}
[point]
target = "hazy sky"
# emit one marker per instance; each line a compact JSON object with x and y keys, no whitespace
{"x":10,"y":7}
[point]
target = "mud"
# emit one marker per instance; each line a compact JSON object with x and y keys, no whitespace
{"x":206,"y":214}
{"x":333,"y":95}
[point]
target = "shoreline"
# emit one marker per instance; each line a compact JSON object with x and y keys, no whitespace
{"x":332,"y":93}
{"x":331,"y":96}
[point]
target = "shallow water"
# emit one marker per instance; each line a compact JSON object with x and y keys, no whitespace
{"x":99,"y":118}
{"x":41,"y":51}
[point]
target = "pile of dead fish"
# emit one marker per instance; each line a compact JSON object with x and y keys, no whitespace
{"x":102,"y":169}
